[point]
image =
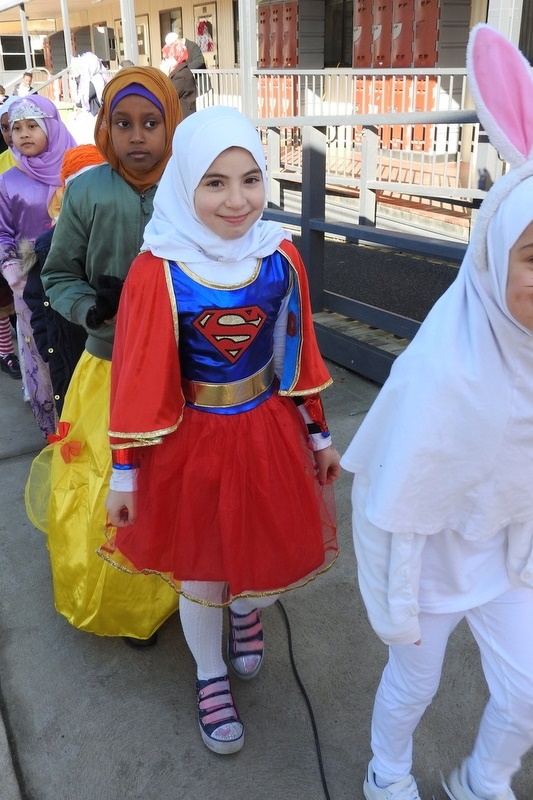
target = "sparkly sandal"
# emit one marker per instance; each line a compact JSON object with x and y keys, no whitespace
{"x":221,"y":728}
{"x":245,"y":644}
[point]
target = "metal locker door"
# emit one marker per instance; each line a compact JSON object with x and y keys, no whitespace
{"x":427,"y":14}
{"x":263,"y":36}
{"x":290,"y":35}
{"x":362,"y":33}
{"x":382,"y":34}
{"x":276,"y":35}
{"x":403,"y":17}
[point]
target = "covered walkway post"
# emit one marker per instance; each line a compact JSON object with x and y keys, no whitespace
{"x":248,"y":56}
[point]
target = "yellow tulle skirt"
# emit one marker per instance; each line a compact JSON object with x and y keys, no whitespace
{"x":65,"y":498}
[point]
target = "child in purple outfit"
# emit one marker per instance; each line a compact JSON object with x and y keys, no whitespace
{"x":40,"y":139}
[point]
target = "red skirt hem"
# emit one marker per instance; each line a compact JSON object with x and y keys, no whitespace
{"x":231,"y":498}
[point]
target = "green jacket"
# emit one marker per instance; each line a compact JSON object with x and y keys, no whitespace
{"x":99,"y":231}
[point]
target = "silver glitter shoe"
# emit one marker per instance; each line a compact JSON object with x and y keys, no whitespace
{"x":245,"y":644}
{"x":220,"y":725}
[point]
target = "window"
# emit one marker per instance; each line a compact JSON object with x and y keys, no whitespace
{"x":170,"y":21}
{"x":13,"y":52}
{"x":13,"y":55}
{"x":338,"y":33}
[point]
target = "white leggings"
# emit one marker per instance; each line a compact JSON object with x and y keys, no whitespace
{"x":202,"y":625}
{"x":503,"y":630}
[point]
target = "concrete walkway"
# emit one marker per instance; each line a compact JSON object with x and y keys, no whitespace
{"x":88,"y":718}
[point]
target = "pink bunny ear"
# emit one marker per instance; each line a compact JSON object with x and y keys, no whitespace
{"x":502,"y":89}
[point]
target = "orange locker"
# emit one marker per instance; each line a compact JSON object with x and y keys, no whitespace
{"x":425,"y":100}
{"x":403,"y":17}
{"x":277,"y":96}
{"x":362,"y":104}
{"x":362,"y":33}
{"x":427,"y":14}
{"x":403,"y":88}
{"x":276,"y":36}
{"x":263,"y":36}
{"x":382,"y":34}
{"x":380,"y":102}
{"x":290,"y":35}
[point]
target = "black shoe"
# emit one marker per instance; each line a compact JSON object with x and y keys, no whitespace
{"x":10,"y":365}
{"x":140,"y":644}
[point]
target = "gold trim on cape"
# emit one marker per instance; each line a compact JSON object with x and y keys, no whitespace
{"x":290,"y":391}
{"x":197,"y":279}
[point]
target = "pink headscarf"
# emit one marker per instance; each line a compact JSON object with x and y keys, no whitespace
{"x":45,"y":167}
{"x":174,"y":53}
{"x":178,"y":51}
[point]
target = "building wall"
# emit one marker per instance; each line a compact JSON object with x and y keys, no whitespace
{"x":505,"y":16}
{"x":147,"y":14}
{"x":306,"y":49}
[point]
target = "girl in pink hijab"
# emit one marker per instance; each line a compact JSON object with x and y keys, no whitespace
{"x":40,"y":139}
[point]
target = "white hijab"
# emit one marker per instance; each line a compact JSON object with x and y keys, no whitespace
{"x":89,"y":69}
{"x":448,"y":442}
{"x":174,"y":231}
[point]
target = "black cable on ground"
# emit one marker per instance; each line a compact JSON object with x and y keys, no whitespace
{"x":306,"y":699}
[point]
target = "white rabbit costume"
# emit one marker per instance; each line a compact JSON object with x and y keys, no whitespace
{"x":443,"y":463}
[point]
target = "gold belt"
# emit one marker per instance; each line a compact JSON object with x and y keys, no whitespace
{"x":222,"y":395}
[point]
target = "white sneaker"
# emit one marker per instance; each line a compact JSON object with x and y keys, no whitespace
{"x":457,"y":787}
{"x":405,"y":789}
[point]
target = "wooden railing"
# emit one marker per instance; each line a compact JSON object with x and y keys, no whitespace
{"x":371,"y":134}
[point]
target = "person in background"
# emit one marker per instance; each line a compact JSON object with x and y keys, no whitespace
{"x":195,"y":56}
{"x":182,"y":78}
{"x":24,"y":87}
{"x":175,"y":44}
{"x":97,"y":235}
{"x":443,"y":465}
{"x":227,"y":438}
{"x":40,"y":139}
{"x":89,"y":78}
{"x":59,"y":341}
{"x":3,"y":95}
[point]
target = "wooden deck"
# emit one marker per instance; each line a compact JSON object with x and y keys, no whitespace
{"x":361,"y":348}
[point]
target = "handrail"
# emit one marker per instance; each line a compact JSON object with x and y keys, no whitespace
{"x":42,"y":85}
{"x":63,"y":76}
{"x":407,"y":118}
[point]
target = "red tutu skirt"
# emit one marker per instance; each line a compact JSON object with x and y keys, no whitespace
{"x":231,"y":498}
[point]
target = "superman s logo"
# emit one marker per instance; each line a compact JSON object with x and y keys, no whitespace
{"x":230,"y":330}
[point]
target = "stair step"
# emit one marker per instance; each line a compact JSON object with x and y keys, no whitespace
{"x":370,"y":335}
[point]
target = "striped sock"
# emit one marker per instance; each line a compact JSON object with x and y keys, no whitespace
{"x":6,"y":340}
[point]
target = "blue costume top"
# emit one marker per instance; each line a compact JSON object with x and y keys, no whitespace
{"x":226,"y":337}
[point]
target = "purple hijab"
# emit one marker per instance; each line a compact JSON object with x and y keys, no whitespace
{"x":47,"y":166}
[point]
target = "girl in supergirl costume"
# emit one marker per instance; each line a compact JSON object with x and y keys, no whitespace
{"x":215,"y":343}
{"x":98,"y":234}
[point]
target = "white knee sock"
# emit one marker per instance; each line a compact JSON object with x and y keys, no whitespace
{"x":202,"y":628}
